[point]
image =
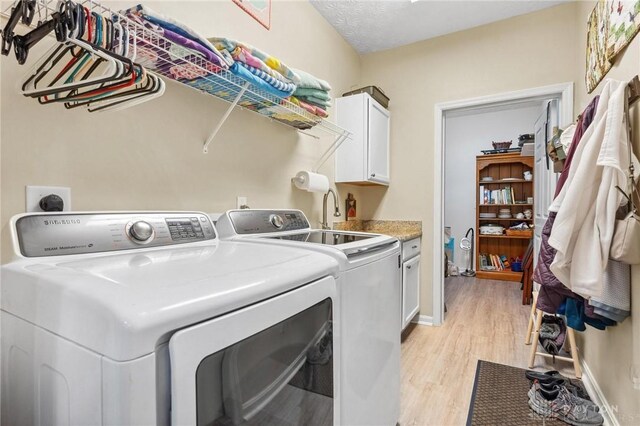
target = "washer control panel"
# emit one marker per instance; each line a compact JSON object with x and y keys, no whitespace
{"x":252,"y":221}
{"x":64,"y":234}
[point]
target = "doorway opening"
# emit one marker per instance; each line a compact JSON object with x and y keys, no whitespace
{"x":463,"y":129}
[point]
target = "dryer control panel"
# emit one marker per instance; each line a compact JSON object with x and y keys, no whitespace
{"x":78,"y":233}
{"x":253,"y":221}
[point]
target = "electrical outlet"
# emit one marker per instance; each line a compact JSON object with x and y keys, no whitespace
{"x":35,"y":193}
{"x":240,"y":202}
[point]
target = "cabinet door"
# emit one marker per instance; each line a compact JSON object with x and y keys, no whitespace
{"x":351,"y":163}
{"x":378,"y":142}
{"x":410,"y":290}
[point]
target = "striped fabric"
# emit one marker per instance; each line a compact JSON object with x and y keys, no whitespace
{"x":280,"y":85}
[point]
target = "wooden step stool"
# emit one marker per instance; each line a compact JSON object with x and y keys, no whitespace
{"x":536,"y":318}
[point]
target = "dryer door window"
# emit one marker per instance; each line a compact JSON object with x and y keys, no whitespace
{"x":278,"y":372}
{"x":282,"y":375}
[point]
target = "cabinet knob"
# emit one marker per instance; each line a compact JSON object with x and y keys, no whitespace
{"x":373,"y":175}
{"x":408,"y":266}
{"x":414,"y":247}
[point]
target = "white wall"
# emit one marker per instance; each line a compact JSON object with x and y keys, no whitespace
{"x":466,"y":134}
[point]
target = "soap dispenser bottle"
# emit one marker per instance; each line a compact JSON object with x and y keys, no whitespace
{"x":350,"y":207}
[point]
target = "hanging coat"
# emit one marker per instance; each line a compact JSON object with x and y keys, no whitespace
{"x":552,"y":292}
{"x":588,"y":202}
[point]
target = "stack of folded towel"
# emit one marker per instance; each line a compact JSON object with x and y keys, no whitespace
{"x":312,"y":94}
{"x":194,"y":45}
{"x":257,"y":67}
{"x":184,"y":47}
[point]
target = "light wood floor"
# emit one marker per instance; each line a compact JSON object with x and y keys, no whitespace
{"x":485,"y":320}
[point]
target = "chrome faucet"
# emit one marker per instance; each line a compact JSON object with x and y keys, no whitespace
{"x":336,"y":213}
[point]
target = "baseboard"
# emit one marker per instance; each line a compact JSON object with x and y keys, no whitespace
{"x":607,"y":411}
{"x":423,"y":320}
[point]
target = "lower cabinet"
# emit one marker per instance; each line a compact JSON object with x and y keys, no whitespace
{"x":410,"y":290}
{"x":410,"y":279}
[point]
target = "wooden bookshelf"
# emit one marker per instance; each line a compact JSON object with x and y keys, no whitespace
{"x":501,"y":167}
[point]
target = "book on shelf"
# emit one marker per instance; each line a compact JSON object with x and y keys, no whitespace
{"x":494,"y":262}
{"x":505,"y":195}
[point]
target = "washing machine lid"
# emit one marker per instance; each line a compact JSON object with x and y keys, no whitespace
{"x":122,"y":304}
{"x":291,"y":227}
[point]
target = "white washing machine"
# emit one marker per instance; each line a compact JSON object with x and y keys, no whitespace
{"x":149,"y":319}
{"x":370,"y":292}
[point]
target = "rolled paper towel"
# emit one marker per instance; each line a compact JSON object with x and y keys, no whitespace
{"x":312,"y":182}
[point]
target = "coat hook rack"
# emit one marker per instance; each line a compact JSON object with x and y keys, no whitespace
{"x":634,"y":90}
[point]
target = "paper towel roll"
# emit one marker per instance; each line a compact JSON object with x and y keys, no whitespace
{"x":312,"y":182}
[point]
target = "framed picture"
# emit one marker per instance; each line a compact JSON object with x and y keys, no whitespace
{"x":260,"y":10}
{"x":598,"y":28}
{"x":624,"y":23}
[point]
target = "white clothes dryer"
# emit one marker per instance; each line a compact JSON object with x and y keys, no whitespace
{"x":148,"y":318}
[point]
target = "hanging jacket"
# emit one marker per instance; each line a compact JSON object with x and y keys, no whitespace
{"x":588,"y":202}
{"x":552,"y":292}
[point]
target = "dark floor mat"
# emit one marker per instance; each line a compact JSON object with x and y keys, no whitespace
{"x":500,"y":398}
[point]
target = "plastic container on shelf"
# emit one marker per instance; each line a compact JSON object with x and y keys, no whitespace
{"x":373,"y":91}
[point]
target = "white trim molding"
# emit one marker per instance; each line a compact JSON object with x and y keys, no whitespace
{"x":607,"y":410}
{"x":563,"y":91}
{"x":422,"y":320}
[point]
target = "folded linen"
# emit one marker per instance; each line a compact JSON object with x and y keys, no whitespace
{"x":308,"y":81}
{"x":308,"y":107}
{"x":280,"y":85}
{"x":314,"y":101}
{"x":271,"y":61}
{"x":176,"y":58}
{"x":243,"y":55}
{"x":321,"y":112}
{"x":177,"y":28}
{"x":239,"y":69}
{"x":320,"y":94}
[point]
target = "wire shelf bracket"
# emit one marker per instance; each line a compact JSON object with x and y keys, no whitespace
{"x":205,"y":148}
{"x":339,"y":140}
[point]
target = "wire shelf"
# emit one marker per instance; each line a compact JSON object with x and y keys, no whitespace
{"x":158,"y":54}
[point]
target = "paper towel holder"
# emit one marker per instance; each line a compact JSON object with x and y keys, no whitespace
{"x":310,"y":181}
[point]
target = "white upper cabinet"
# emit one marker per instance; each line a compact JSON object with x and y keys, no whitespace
{"x":363,"y":159}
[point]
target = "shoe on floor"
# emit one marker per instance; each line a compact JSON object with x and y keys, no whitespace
{"x":564,"y":406}
{"x":574,"y":386}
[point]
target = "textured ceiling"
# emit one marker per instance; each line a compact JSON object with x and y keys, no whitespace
{"x":373,"y":25}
